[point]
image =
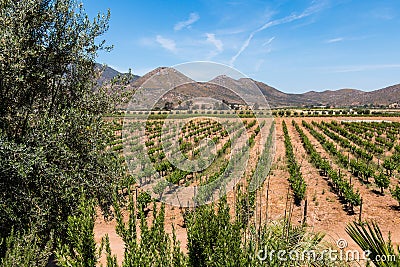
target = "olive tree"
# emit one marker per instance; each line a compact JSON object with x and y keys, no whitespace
{"x":53,"y":138}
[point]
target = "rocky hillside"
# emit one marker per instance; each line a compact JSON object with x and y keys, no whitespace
{"x":218,"y":89}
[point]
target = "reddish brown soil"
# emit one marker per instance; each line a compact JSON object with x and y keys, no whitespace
{"x":325,"y":213}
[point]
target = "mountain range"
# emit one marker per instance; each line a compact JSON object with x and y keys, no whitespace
{"x":217,"y":89}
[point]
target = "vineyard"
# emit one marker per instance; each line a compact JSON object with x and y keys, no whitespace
{"x":325,"y":172}
{"x":193,"y":153}
{"x":188,"y":166}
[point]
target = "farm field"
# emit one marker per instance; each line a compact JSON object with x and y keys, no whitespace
{"x":225,"y":133}
{"x":347,"y":169}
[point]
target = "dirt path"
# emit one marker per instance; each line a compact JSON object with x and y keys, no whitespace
{"x":278,"y":184}
{"x":322,"y":205}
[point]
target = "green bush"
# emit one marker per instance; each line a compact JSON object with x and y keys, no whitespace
{"x":53,"y":139}
{"x":79,"y":247}
{"x":25,"y":249}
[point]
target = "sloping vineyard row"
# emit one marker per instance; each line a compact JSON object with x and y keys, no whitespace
{"x":368,"y":145}
{"x":296,"y":179}
{"x":359,"y":167}
{"x":345,"y":143}
{"x":340,"y":186}
{"x":380,"y":141}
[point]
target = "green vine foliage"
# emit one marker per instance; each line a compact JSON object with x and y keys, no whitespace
{"x":296,"y":179}
{"x":340,"y":185}
{"x":396,"y":193}
{"x":382,"y":181}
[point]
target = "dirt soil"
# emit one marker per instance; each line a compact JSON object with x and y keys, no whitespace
{"x":325,"y":213}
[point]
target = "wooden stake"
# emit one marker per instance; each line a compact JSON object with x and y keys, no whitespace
{"x":260,"y":214}
{"x":194,"y":198}
{"x":305,"y":212}
{"x":287,"y":200}
{"x":234,"y":199}
{"x":290,"y":218}
{"x":348,"y":158}
{"x":267,"y":197}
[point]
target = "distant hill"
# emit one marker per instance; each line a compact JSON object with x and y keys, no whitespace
{"x":219,"y":88}
{"x":335,"y":98}
{"x":109,"y":73}
{"x":385,"y":96}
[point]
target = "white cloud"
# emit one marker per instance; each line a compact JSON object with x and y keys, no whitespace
{"x":231,"y":31}
{"x":166,"y":43}
{"x":216,"y":42}
{"x":358,"y":68}
{"x":269,"y":41}
{"x":193,"y":17}
{"x":334,"y":40}
{"x":383,"y":13}
{"x":146,"y":41}
{"x":244,"y":46}
{"x":257,"y":67}
{"x":143,"y":71}
{"x":119,"y":69}
{"x":309,"y":11}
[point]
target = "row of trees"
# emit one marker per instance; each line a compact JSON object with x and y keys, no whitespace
{"x":326,"y":112}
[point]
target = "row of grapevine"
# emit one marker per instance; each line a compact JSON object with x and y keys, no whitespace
{"x":340,"y":185}
{"x":296,"y":179}
{"x":390,"y":164}
{"x":226,"y":169}
{"x":358,"y":167}
{"x":246,"y":192}
{"x":345,"y":143}
{"x":265,"y":159}
{"x":377,"y":128}
{"x":369,"y":146}
{"x":362,"y":130}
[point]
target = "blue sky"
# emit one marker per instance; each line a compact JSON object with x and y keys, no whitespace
{"x":293,"y":45}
